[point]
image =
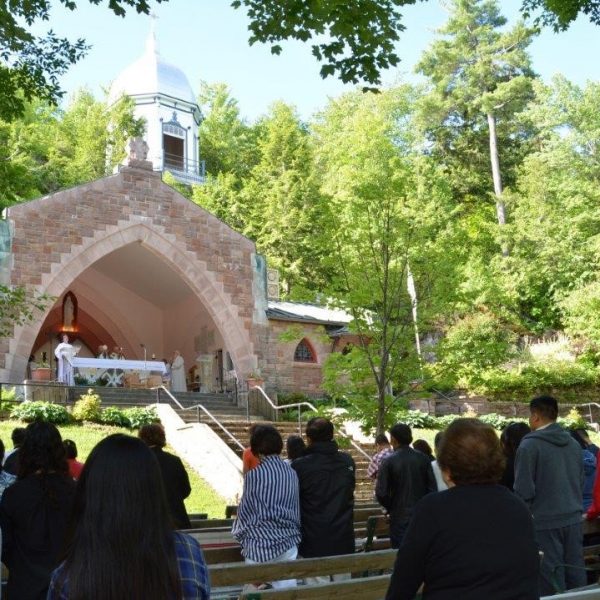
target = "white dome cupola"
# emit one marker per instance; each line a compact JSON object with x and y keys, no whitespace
{"x":164,"y":98}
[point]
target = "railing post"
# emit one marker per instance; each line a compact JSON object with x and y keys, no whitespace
{"x":299,"y":421}
{"x":198,"y":414}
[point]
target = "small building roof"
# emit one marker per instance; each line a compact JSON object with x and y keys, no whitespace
{"x":307,"y":313}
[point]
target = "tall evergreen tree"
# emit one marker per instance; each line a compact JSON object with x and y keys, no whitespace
{"x":480,"y":77}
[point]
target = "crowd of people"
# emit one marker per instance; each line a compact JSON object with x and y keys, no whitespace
{"x":482,"y":516}
{"x":104,"y":529}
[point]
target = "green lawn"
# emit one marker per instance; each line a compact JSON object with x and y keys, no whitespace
{"x":202,"y":499}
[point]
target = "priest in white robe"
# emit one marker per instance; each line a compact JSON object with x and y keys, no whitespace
{"x":178,"y":383}
{"x":64,"y":353}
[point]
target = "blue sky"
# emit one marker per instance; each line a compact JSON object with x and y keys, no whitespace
{"x":208,"y":40}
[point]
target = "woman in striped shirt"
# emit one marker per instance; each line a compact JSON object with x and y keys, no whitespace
{"x":268,"y":520}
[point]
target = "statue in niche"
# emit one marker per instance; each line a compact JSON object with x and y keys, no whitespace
{"x":69,"y":312}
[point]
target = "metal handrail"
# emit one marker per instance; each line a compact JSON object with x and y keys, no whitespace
{"x":206,"y":412}
{"x":313,"y":408}
{"x":282,"y":406}
{"x":589,"y":405}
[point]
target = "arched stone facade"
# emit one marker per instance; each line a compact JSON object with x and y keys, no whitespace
{"x":56,"y":238}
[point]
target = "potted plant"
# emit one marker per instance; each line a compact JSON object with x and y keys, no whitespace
{"x":255,"y":379}
{"x":42,"y":373}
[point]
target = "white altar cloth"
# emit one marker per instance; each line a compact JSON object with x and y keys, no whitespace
{"x":125,"y":365}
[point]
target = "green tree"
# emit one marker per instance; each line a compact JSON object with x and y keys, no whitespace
{"x":559,"y":15}
{"x":17,"y":307}
{"x":31,"y":66}
{"x":390,"y":214}
{"x":227,"y":142}
{"x":354,"y":40}
{"x":554,"y":237}
{"x":284,"y":204}
{"x":480,"y":78}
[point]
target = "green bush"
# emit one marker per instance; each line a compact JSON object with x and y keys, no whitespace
{"x":112,"y":415}
{"x":474,"y":343}
{"x":445,"y":420}
{"x":87,"y":408}
{"x":537,"y":379}
{"x":41,"y":411}
{"x":573,"y":420}
{"x":416,"y":419}
{"x":140,"y":416}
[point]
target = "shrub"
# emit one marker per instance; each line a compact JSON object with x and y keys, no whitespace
{"x":495,"y":420}
{"x":573,"y":420}
{"x":41,"y":411}
{"x":416,"y":419}
{"x":445,"y":420}
{"x":537,"y":379}
{"x":112,"y":415}
{"x":87,"y":408}
{"x":140,"y":416}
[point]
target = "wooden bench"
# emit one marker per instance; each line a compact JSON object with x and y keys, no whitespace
{"x":236,"y":574}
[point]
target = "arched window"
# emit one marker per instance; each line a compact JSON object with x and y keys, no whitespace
{"x":304,"y":352}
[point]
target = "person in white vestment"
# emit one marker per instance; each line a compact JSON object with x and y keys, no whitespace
{"x":178,"y":383}
{"x":64,"y":353}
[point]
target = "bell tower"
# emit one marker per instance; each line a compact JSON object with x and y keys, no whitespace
{"x":164,"y":98}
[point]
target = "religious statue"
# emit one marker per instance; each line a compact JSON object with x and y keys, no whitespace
{"x":138,"y":149}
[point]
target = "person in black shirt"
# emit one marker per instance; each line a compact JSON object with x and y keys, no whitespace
{"x":175,"y":477}
{"x":327,"y":478}
{"x":475,"y":540}
{"x":403,"y":479}
{"x":34,"y":512}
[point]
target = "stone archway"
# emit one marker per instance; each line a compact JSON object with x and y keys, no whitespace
{"x":205,"y":285}
{"x":58,"y":237}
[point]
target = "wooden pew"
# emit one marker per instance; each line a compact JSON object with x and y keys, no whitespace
{"x":366,"y":588}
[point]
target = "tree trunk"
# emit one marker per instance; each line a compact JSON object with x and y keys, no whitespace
{"x":497,"y":177}
{"x":380,"y":409}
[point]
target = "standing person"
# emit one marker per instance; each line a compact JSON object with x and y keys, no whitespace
{"x":294,"y":448}
{"x":34,"y":512}
{"x":510,"y":439}
{"x":474,"y":541}
{"x":268,"y":519}
{"x":178,"y":383}
{"x":383,"y":450}
{"x":549,"y":478}
{"x":122,"y":543}
{"x":174,"y":476}
{"x":64,"y":353}
{"x":75,"y":467}
{"x":11,"y":460}
{"x":166,"y":377}
{"x":6,"y":479}
{"x":403,"y":479}
{"x":102,"y":351}
{"x":327,"y":478}
{"x":424,"y":448}
{"x":249,"y":460}
{"x":589,"y":471}
{"x":435,"y":467}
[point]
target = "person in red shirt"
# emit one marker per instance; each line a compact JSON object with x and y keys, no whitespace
{"x":75,"y":466}
{"x":249,"y":461}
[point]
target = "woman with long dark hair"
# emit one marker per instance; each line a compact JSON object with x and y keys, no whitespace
{"x":34,"y":512}
{"x":121,"y":543}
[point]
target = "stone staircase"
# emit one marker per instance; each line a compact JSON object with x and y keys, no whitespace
{"x":238,"y":426}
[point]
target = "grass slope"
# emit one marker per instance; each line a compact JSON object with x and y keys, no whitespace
{"x":202,"y":499}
